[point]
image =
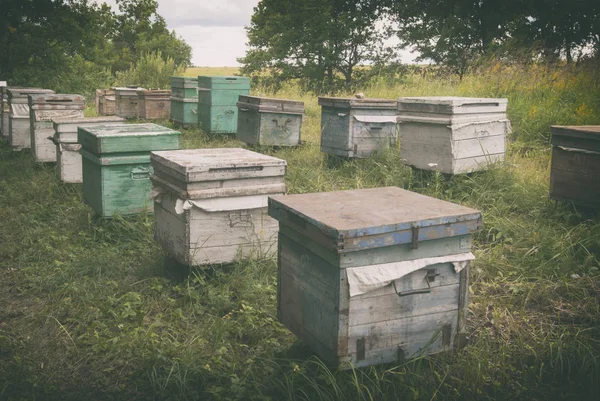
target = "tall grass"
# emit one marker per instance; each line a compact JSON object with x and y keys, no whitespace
{"x":94,"y":308}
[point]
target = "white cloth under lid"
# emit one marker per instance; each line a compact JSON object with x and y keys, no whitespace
{"x":364,"y":279}
{"x":215,"y":204}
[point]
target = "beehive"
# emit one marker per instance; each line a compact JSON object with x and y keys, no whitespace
{"x":3,"y":110}
{"x":154,"y":104}
{"x":575,"y":171}
{"x":184,"y":101}
{"x":43,"y":109}
{"x":452,"y":135}
{"x":373,"y":276}
{"x":126,"y":105}
{"x":19,"y":127}
{"x":211,"y":204}
{"x":105,"y":102}
{"x":68,"y":157}
{"x":357,"y":127}
{"x":217,"y":98}
{"x":116,"y":165}
{"x":273,"y":122}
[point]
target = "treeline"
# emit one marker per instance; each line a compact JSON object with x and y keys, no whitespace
{"x":78,"y":45}
{"x":324,"y":42}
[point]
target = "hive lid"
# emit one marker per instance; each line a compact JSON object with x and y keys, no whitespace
{"x":270,"y":104}
{"x":127,"y":90}
{"x":154,"y":93}
{"x":24,"y":92}
{"x":355,"y":220}
{"x":122,"y":138}
{"x":88,"y":120}
{"x":586,"y":137}
{"x":56,"y":102}
{"x":451,"y":105}
{"x":181,"y":81}
{"x":224,"y":82}
{"x":350,"y":102}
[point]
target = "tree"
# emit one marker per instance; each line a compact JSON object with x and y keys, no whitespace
{"x":320,"y":42}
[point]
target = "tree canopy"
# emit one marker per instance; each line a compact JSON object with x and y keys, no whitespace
{"x":75,"y":45}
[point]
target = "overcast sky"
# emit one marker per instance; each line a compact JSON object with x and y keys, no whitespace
{"x":214,"y":28}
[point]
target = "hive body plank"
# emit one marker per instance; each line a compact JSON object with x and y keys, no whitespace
{"x":127,"y":101}
{"x":68,"y":158}
{"x":184,"y":101}
{"x":575,"y":171}
{"x":217,"y":98}
{"x":357,"y":127}
{"x":324,"y":236}
{"x":116,"y":165}
{"x":105,"y":102}
{"x":452,"y":135}
{"x":154,"y":104}
{"x":19,"y":126}
{"x":4,"y":111}
{"x":43,"y":109}
{"x":211,"y":204}
{"x":271,"y":122}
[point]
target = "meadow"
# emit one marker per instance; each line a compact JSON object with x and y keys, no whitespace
{"x":94,"y":309}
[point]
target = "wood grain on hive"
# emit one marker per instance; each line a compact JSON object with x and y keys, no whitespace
{"x":154,"y":104}
{"x":575,"y":171}
{"x":68,"y":157}
{"x":357,"y":127}
{"x":184,"y":101}
{"x":211,"y":204}
{"x":452,"y":135}
{"x":217,"y":98}
{"x":116,"y":165}
{"x":267,"y":121}
{"x":43,"y":109}
{"x":19,"y":127}
{"x":127,"y":100}
{"x":326,"y":240}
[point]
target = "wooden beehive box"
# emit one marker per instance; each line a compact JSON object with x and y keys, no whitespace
{"x":575,"y":171}
{"x":19,"y":127}
{"x":266,"y":121}
{"x":68,"y":158}
{"x":217,"y":98}
{"x":184,"y":101}
{"x":3,"y":110}
{"x":116,"y":165}
{"x":105,"y":102}
{"x":453,"y":135}
{"x":154,"y":104}
{"x":357,"y":127}
{"x":373,"y":276}
{"x":43,"y":109}
{"x":211,"y":204}
{"x":127,"y":100}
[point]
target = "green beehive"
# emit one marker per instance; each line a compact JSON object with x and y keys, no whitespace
{"x":184,"y":101}
{"x":116,"y":165}
{"x":217,"y":98}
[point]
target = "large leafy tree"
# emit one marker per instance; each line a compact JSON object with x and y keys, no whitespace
{"x":320,"y":42}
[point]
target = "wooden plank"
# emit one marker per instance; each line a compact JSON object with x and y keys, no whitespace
{"x":69,"y":162}
{"x":478,"y":163}
{"x":575,"y":177}
{"x":171,"y":232}
{"x":470,"y":148}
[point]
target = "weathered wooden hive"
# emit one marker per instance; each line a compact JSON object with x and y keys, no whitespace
{"x":217,"y":99}
{"x":452,"y":135}
{"x":266,"y":121}
{"x":357,"y":127}
{"x":43,"y":109}
{"x":19,"y":127}
{"x":575,"y":171}
{"x":210,"y":205}
{"x":116,"y":165}
{"x":154,"y":104}
{"x":3,"y":110}
{"x":127,"y":101}
{"x":105,"y":102}
{"x":184,"y":101}
{"x":68,"y":157}
{"x":373,"y":276}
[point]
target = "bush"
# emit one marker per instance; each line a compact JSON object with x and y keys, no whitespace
{"x":151,"y":71}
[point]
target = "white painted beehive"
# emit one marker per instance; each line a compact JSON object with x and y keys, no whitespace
{"x":43,"y":109}
{"x":373,"y":276}
{"x":68,"y":158}
{"x":19,"y":127}
{"x":210,"y":205}
{"x":357,"y":127}
{"x":3,"y":110}
{"x":453,"y":135}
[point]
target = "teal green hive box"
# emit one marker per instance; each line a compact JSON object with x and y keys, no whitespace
{"x":184,"y":101}
{"x":217,"y":98}
{"x":116,"y":165}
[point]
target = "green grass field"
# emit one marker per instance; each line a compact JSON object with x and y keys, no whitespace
{"x":94,"y":309}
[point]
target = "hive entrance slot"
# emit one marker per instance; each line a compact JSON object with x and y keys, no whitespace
{"x":492,"y":104}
